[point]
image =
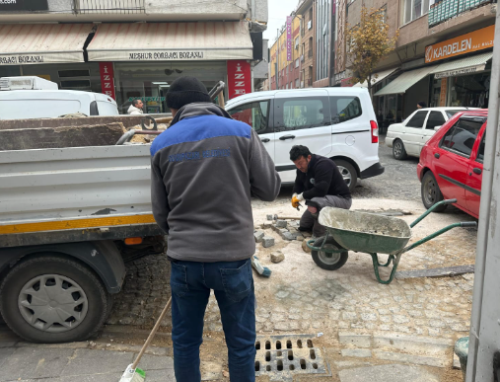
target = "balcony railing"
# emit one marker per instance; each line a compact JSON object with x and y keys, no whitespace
{"x":447,"y":9}
{"x":109,"y":6}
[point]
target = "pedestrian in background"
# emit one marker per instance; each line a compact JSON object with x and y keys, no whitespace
{"x":136,"y":107}
{"x":421,"y":105}
{"x":205,"y":169}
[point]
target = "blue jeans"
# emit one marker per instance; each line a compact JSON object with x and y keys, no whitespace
{"x":232,"y":283}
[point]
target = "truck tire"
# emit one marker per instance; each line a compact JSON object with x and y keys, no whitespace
{"x":53,"y":299}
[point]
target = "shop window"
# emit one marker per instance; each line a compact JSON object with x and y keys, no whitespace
{"x":345,"y":108}
{"x":462,"y":136}
{"x":302,"y":113}
{"x":435,"y":119}
{"x":417,"y":120}
{"x":75,"y":84}
{"x":256,"y":114}
{"x":73,"y":73}
{"x":415,"y":9}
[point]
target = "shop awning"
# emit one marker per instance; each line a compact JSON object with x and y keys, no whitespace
{"x":377,"y":77}
{"x":42,"y":43}
{"x":467,"y":65}
{"x":172,"y":42}
{"x":405,"y":81}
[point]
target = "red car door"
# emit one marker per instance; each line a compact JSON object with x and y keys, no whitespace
{"x":452,"y":159}
{"x":475,"y":173}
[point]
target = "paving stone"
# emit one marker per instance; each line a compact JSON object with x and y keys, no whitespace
{"x":269,"y":217}
{"x":387,"y":373}
{"x":400,"y":319}
{"x":36,"y":362}
{"x":359,"y":353}
{"x":258,"y":236}
{"x":410,"y":358}
{"x":288,"y":236}
{"x":84,"y":360}
{"x":368,"y":316}
{"x":281,"y":224}
{"x":267,"y":241}
{"x":277,"y":257}
{"x":349,"y":316}
{"x":358,"y":340}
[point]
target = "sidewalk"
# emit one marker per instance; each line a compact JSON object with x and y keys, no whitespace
{"x":74,"y":362}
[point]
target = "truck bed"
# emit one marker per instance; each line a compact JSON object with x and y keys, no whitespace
{"x":75,"y":194}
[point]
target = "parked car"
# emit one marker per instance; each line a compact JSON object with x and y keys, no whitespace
{"x":451,"y":163}
{"x":338,"y":123}
{"x":34,"y":97}
{"x":408,"y":137}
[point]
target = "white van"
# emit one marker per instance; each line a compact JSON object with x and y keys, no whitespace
{"x":34,"y":97}
{"x":338,"y":123}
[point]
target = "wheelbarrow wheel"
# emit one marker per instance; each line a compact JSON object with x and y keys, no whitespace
{"x":329,"y":261}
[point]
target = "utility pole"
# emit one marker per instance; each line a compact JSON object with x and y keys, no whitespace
{"x":484,"y":337}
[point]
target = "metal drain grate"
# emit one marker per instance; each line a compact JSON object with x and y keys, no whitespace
{"x":283,"y":356}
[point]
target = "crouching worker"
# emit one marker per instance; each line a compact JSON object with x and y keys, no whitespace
{"x":318,"y":184}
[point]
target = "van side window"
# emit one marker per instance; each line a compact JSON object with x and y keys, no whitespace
{"x":256,"y":114}
{"x":461,"y":137}
{"x":94,"y":110}
{"x":301,"y":113}
{"x":345,"y":108}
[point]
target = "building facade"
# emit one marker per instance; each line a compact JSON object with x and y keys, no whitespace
{"x":131,"y":49}
{"x":442,"y":57}
{"x":307,"y":12}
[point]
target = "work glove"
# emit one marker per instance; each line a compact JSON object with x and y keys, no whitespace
{"x":296,"y":199}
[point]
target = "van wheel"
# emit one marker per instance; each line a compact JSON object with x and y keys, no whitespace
{"x":53,"y":299}
{"x":348,"y":172}
{"x":398,"y":150}
{"x":431,"y":194}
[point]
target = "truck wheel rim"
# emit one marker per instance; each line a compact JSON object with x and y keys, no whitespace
{"x":329,"y":258}
{"x":346,"y":174}
{"x":53,"y":303}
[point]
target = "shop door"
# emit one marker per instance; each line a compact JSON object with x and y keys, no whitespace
{"x":300,"y":120}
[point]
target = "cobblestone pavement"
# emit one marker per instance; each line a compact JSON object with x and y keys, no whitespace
{"x":299,"y":297}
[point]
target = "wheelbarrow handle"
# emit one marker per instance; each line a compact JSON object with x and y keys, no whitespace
{"x":469,"y":224}
{"x":432,"y":209}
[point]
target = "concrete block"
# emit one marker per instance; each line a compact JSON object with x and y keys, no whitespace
{"x":413,"y":344}
{"x":410,"y":358}
{"x":269,"y":217}
{"x":281,"y":223}
{"x":359,"y":353}
{"x":275,"y":217}
{"x":258,"y":236}
{"x":358,"y":340}
{"x":267,"y":241}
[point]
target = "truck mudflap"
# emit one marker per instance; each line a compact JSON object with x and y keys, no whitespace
{"x":103,"y":257}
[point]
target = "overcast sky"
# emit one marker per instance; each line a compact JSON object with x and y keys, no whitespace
{"x":278,"y":11}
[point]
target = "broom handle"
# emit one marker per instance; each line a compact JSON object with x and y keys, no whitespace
{"x":152,"y":334}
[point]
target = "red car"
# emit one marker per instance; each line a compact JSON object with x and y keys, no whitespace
{"x":451,"y":163}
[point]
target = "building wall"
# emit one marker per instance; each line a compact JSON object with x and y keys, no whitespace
{"x":323,"y":37}
{"x":308,"y":44}
{"x":391,"y":12}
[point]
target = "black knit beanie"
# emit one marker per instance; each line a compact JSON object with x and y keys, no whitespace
{"x":186,"y":90}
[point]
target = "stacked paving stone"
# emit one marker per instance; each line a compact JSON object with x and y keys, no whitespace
{"x":288,"y":229}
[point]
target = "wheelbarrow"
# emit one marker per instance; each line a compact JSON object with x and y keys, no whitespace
{"x":368,"y":233}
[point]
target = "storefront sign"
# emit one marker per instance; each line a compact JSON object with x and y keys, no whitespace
{"x":342,"y":76}
{"x":458,"y":72}
{"x":21,"y":59}
{"x":289,"y":41}
{"x":107,"y":79}
{"x":165,"y":56}
{"x":444,"y":90}
{"x":239,"y":74}
{"x":147,"y":99}
{"x":467,"y":43}
{"x":23,"y":5}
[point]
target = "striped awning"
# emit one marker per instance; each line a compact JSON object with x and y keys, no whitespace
{"x":405,"y":81}
{"x":42,"y":43}
{"x":195,"y":41}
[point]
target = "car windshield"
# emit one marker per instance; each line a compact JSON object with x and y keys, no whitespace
{"x":451,"y":113}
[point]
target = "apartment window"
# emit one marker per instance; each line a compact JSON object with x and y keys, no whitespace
{"x":297,"y":63}
{"x":297,"y":43}
{"x":415,"y":9}
{"x":310,"y":53}
{"x":297,"y":84}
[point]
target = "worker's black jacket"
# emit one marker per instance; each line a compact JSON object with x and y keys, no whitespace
{"x":322,"y":178}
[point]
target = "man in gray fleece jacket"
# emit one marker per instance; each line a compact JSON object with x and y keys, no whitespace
{"x":205,"y":169}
